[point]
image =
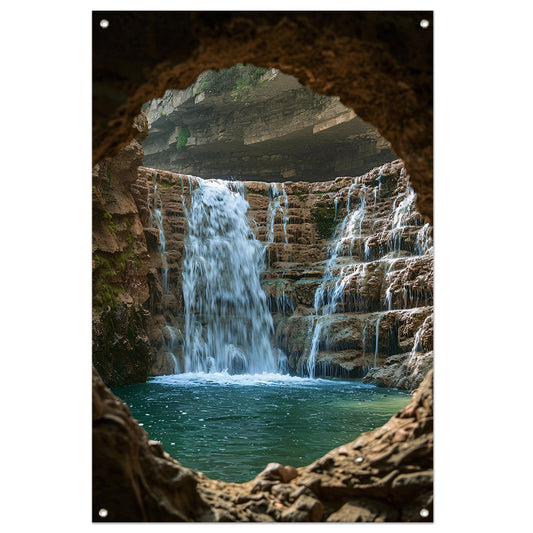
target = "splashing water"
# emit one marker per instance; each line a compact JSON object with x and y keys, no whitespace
{"x":228,"y":326}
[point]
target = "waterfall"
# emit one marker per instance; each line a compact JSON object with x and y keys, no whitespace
{"x":377,"y":190}
{"x":170,"y":347}
{"x":271,"y":211}
{"x":363,"y":356}
{"x":285,"y":211}
{"x":388,"y":298}
{"x":327,"y":299}
{"x":423,"y":239}
{"x":377,"y":340}
{"x":159,"y":225}
{"x":400,"y":215}
{"x":228,"y":326}
{"x":273,"y":206}
{"x":367,"y":249}
{"x":281,"y":304}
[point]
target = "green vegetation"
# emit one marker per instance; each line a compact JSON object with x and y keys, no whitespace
{"x":110,"y":270}
{"x":324,"y":220}
{"x":183,"y":136}
{"x":108,"y":221}
{"x":106,"y":282}
{"x":237,"y":80}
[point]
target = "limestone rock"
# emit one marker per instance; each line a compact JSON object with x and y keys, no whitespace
{"x":213,"y":129}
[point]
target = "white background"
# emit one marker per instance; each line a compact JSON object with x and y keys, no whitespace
{"x":483,"y":238}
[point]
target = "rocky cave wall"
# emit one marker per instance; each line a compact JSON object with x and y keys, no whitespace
{"x":383,"y":476}
{"x":249,"y":123}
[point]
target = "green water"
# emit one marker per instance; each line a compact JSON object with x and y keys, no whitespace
{"x":230,"y":427}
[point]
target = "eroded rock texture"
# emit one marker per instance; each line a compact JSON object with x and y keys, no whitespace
{"x":249,"y":123}
{"x":383,"y":476}
{"x":122,"y":268}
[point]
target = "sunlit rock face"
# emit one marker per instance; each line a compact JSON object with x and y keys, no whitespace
{"x":256,"y":123}
{"x":348,"y":272}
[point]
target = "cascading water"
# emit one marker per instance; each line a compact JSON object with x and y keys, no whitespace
{"x":377,"y":340}
{"x":285,"y":212}
{"x":273,"y":206}
{"x":377,"y":190}
{"x":228,"y":321}
{"x":228,"y":326}
{"x":365,"y":368}
{"x":423,"y":240}
{"x":327,"y":298}
{"x":156,"y":216}
{"x":400,"y":215}
{"x":170,"y":346}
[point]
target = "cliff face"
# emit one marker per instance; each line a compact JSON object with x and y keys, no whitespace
{"x":247,"y":122}
{"x":122,"y":268}
{"x":373,"y":282}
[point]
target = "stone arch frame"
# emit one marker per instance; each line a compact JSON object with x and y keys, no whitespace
{"x":380,"y":64}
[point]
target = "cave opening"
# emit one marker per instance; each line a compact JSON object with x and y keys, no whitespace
{"x":314,"y":184}
{"x":183,"y":136}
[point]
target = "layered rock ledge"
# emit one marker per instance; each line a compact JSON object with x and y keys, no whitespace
{"x":247,"y":121}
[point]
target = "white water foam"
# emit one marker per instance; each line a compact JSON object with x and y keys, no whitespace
{"x":227,"y":322}
{"x":266,"y":378}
